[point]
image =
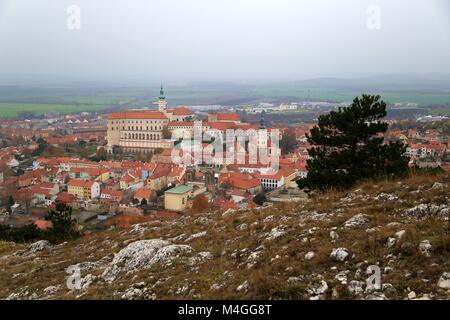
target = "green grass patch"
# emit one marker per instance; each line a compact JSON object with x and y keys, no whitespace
{"x":11,"y":110}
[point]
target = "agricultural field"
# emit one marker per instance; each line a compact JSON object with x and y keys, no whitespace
{"x":11,"y":110}
{"x":15,"y":99}
{"x":421,"y":99}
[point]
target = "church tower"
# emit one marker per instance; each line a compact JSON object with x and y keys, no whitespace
{"x":162,"y":103}
{"x":262,"y":122}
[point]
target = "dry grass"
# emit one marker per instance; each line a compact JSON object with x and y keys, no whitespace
{"x":280,"y":259}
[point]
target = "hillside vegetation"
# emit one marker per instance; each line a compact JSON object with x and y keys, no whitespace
{"x":317,"y":249}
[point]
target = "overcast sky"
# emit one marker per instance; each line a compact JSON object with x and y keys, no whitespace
{"x":170,"y":40}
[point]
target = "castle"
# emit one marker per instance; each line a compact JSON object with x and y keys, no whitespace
{"x":144,"y":130}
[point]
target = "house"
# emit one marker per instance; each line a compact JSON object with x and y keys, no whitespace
{"x":241,"y":181}
{"x":12,"y":163}
{"x":164,"y":157}
{"x":89,"y":174}
{"x":84,"y":190}
{"x":112,"y":195}
{"x":158,"y":179}
{"x":270,"y":181}
{"x":30,"y":178}
{"x":144,"y":193}
{"x":176,"y":199}
{"x":129,"y":180}
{"x":66,"y":198}
{"x":224,"y":117}
{"x":176,"y":175}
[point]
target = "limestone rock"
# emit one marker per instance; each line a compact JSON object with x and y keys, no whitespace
{"x":38,"y":246}
{"x":144,"y":254}
{"x":309,"y":255}
{"x":425,"y":247}
{"x":444,"y":281}
{"x":357,"y":221}
{"x":339,"y":254}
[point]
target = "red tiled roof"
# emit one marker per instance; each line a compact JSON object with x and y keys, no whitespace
{"x":274,"y":176}
{"x":239,"y":180}
{"x":66,"y":197}
{"x":141,"y":114}
{"x":222,"y":116}
{"x":80,"y":183}
{"x":181,"y":111}
{"x":127,"y":178}
{"x":166,"y":153}
{"x":143,"y":193}
{"x":222,"y":126}
{"x":43,"y":224}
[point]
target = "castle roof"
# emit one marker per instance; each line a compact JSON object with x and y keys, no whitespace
{"x":137,"y":114}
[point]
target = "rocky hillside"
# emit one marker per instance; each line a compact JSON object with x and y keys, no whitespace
{"x":318,"y":249}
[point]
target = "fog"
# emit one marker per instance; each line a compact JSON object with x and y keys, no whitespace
{"x":212,"y":40}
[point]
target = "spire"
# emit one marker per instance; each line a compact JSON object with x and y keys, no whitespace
{"x":262,"y":124}
{"x":162,"y":104}
{"x":161,"y":93}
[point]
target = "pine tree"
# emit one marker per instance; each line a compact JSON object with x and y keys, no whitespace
{"x":348,"y":146}
{"x":63,"y":223}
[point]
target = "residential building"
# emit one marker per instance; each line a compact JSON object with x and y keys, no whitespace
{"x":84,"y":190}
{"x":176,"y":199}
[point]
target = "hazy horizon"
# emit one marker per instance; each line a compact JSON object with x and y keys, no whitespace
{"x":256,"y":41}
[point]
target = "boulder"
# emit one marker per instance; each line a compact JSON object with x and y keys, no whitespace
{"x":423,"y":211}
{"x":243,"y":287}
{"x":339,"y":254}
{"x":144,"y":254}
{"x":318,"y":288}
{"x":334,"y":235}
{"x":275,"y":233}
{"x":39,"y":246}
{"x":309,"y":255}
{"x":196,"y":236}
{"x":356,"y":287}
{"x":425,"y":247}
{"x":444,"y":281}
{"x":357,"y":221}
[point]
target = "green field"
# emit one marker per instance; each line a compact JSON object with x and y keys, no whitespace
{"x":347,"y":96}
{"x":99,"y":100}
{"x":14,"y":100}
{"x":10,"y":110}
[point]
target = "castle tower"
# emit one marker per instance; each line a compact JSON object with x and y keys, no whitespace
{"x":262,"y":122}
{"x":162,"y":103}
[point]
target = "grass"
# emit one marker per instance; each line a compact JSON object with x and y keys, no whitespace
{"x":280,"y":259}
{"x":421,"y":99}
{"x":11,"y":110}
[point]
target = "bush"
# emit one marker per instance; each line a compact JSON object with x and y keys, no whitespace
{"x":260,"y":198}
{"x":24,"y":233}
{"x":63,"y":228}
{"x":200,"y":204}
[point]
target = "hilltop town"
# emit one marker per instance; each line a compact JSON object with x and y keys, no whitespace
{"x":126,"y":166}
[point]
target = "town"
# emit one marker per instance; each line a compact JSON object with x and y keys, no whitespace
{"x":119,"y":168}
